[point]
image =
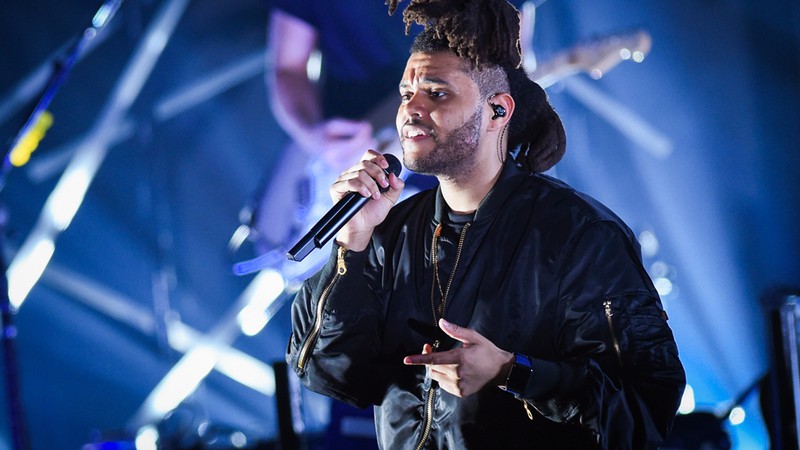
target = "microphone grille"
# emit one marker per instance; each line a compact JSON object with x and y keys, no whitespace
{"x":395,"y":166}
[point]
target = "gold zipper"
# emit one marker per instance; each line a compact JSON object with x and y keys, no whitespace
{"x":428,"y":419}
{"x":305,"y":350}
{"x":609,"y":315}
{"x":439,"y":312}
{"x":527,"y":409}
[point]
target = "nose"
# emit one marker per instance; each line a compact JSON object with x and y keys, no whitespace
{"x":415,"y":106}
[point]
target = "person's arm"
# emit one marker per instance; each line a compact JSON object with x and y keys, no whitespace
{"x":295,"y":99}
{"x":619,"y":375}
{"x":336,"y":316}
{"x":335,"y":338}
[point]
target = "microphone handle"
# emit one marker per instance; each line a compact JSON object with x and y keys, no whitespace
{"x":335,"y":219}
{"x":328,"y":225}
{"x":351,"y":204}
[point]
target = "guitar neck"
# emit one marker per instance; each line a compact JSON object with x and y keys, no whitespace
{"x":553,"y":70}
{"x":595,"y":57}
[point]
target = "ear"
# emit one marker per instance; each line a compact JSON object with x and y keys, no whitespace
{"x":494,"y":103}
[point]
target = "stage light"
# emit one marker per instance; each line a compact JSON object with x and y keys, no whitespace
{"x":252,"y":320}
{"x":33,"y":257}
{"x":687,"y":401}
{"x":181,"y":381}
{"x":737,"y":416}
{"x":314,"y":66}
{"x":105,"y":13}
{"x":649,"y":243}
{"x":21,"y":153}
{"x":247,"y":371}
{"x":67,"y":196}
{"x":27,"y":267}
{"x":659,"y":269}
{"x":147,"y":438}
{"x":663,"y":286}
{"x":238,"y":439}
{"x":262,"y":293}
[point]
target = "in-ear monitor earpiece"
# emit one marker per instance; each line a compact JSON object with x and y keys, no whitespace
{"x":499,"y":111}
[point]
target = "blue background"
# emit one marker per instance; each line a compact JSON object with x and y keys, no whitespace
{"x":718,"y":92}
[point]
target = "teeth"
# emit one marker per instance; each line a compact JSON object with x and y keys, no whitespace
{"x":414,"y":132}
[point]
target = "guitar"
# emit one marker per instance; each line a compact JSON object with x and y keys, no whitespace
{"x":280,"y":216}
{"x":595,"y":57}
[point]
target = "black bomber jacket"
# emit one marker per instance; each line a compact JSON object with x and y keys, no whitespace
{"x":545,"y":271}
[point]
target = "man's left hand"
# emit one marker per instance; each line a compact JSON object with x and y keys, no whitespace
{"x":466,"y":369}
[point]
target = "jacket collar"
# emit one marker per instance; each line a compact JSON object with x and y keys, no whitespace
{"x":510,"y":177}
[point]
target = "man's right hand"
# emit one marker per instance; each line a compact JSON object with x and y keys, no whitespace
{"x":366,"y":178}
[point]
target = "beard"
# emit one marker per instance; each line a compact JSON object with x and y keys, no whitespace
{"x":454,"y":154}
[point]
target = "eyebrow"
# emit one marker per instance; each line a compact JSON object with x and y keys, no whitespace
{"x":427,"y":80}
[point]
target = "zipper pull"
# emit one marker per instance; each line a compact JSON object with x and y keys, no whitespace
{"x":527,"y":410}
{"x":341,"y":269}
{"x":614,"y":341}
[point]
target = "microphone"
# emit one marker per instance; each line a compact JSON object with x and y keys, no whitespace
{"x":334,"y":220}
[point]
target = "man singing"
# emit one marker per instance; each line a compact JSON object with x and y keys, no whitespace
{"x":502,"y":309}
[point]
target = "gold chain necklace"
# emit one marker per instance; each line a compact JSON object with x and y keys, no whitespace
{"x":438,"y":312}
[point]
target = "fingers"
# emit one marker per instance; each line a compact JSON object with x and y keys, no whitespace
{"x":461,"y":334}
{"x":430,"y":358}
{"x":367,"y":177}
{"x":445,"y":368}
{"x":464,"y":335}
{"x":466,"y":368}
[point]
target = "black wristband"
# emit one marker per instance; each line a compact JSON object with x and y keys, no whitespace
{"x":518,"y":376}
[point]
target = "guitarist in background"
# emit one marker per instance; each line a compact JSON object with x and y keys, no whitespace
{"x":332,"y":84}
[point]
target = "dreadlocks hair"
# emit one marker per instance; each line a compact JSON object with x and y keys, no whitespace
{"x":535,"y":128}
{"x":486,"y":34}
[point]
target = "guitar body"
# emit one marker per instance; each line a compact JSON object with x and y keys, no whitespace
{"x":294,"y":197}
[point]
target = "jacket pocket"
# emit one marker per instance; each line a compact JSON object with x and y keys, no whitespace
{"x":608,"y":311}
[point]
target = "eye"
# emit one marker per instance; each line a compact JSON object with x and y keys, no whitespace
{"x":438,"y":94}
{"x":405,"y":96}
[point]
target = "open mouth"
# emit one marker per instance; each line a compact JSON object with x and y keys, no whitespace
{"x":416,"y":132}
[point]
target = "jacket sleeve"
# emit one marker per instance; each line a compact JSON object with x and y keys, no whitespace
{"x":619,"y":374}
{"x":335,"y":340}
